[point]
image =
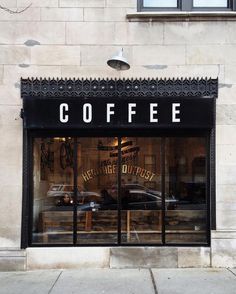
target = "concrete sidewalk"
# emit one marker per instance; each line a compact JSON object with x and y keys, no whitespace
{"x":122,"y":281}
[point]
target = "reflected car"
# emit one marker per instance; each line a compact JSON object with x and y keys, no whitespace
{"x":89,"y":206}
{"x":133,"y":201}
{"x":143,"y":200}
{"x":136,"y":196}
{"x":59,"y":190}
{"x":139,"y":187}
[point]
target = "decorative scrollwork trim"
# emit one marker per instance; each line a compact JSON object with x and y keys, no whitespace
{"x":200,"y":87}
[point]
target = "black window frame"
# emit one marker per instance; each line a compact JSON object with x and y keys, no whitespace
{"x":29,"y":136}
{"x":187,"y":5}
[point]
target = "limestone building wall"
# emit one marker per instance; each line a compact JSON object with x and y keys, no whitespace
{"x":74,"y":38}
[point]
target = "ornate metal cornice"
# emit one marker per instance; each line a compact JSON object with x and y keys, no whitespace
{"x":202,"y":87}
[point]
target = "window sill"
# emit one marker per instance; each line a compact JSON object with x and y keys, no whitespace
{"x":182,"y":16}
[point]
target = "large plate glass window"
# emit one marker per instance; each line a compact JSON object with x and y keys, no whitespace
{"x":97,"y":217}
{"x":120,"y":190}
{"x":141,"y":191}
{"x":53,"y":196}
{"x":186,"y":182}
{"x":63,"y":209}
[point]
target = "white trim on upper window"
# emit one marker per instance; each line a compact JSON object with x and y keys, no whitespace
{"x":186,"y":5}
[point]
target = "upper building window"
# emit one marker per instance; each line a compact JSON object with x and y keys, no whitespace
{"x":212,"y":3}
{"x":186,"y":5}
{"x":160,"y":3}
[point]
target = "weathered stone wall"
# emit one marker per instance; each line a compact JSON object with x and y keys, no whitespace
{"x":74,"y":38}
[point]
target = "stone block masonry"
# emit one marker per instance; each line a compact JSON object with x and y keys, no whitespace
{"x":74,"y":38}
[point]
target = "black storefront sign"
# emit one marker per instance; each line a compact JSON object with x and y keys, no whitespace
{"x":116,"y":112}
{"x":121,"y":104}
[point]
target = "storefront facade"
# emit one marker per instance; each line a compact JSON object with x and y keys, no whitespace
{"x":119,"y":171}
{"x":134,"y":167}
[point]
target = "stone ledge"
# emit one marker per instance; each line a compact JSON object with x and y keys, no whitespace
{"x":12,"y":259}
{"x":159,"y":257}
{"x":223,"y":252}
{"x":12,"y":263}
{"x":144,"y":257}
{"x":182,"y":16}
{"x":12,"y":253}
{"x":105,"y":257}
{"x":223,"y":234}
{"x":67,"y":257}
{"x":194,"y":257}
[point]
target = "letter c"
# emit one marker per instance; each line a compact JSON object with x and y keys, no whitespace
{"x":64,"y":118}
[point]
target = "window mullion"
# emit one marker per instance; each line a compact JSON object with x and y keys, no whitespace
{"x":233,"y":5}
{"x":139,"y":5}
{"x":186,"y":5}
{"x":75,"y":173}
{"x":119,"y":190}
{"x":163,"y":189}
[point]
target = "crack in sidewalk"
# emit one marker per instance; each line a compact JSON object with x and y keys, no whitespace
{"x":153,"y":281}
{"x":50,"y":291}
{"x":231,"y":271}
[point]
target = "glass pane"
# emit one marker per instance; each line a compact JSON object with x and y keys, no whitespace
{"x":186,"y":218}
{"x":160,"y":3}
{"x":97,"y":190}
{"x":53,"y":191}
{"x":141,"y":215}
{"x":210,"y":3}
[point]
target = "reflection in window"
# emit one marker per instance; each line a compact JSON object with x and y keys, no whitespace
{"x":186,"y":181}
{"x":55,"y":199}
{"x":160,"y":3}
{"x":53,"y":191}
{"x":84,"y":210}
{"x":141,"y":197}
{"x":210,"y":3}
{"x":97,"y":173}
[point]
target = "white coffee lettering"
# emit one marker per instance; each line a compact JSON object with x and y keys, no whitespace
{"x":175,"y":111}
{"x":64,"y":118}
{"x":131,"y":112}
{"x":109,"y":111}
{"x":153,"y":111}
{"x":87,"y":113}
